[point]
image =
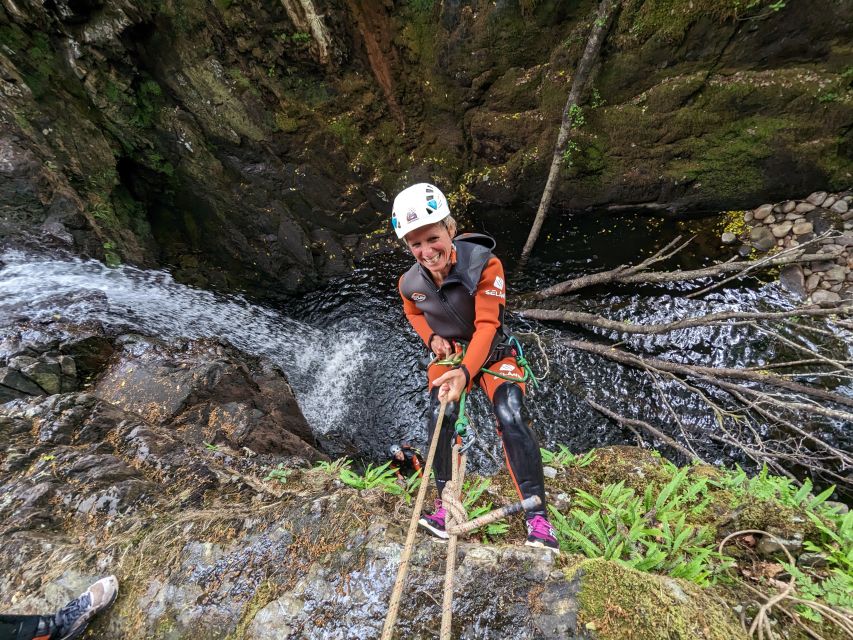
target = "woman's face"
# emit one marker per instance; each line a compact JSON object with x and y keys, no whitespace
{"x":431,"y":246}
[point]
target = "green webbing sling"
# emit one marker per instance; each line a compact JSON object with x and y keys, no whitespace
{"x":457,"y":357}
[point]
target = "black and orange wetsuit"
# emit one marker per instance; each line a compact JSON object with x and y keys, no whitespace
{"x":469,"y":306}
{"x":411,"y":463}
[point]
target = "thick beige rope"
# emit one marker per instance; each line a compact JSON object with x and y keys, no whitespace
{"x":402,"y":572}
{"x":455,"y":515}
{"x":456,"y":523}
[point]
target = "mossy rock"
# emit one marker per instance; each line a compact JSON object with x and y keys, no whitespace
{"x":636,"y":467}
{"x":619,"y":603}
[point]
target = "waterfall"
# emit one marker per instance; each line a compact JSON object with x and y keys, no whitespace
{"x":320,"y":369}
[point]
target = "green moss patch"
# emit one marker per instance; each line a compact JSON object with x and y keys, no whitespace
{"x":669,"y":20}
{"x":618,"y":603}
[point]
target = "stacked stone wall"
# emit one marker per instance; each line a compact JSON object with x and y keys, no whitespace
{"x":822,"y":224}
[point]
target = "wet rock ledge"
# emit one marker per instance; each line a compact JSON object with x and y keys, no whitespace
{"x":828,"y":277}
{"x":185,"y":468}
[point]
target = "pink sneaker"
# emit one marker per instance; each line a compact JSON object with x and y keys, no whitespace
{"x":540,"y":533}
{"x":434,"y":522}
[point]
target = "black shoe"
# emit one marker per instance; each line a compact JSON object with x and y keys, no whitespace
{"x":72,"y":619}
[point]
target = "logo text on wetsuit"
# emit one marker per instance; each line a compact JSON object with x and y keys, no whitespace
{"x":492,"y":292}
{"x":418,"y":297}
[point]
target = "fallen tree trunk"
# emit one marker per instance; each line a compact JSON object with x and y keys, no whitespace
{"x":604,"y":16}
{"x":637,"y":274}
{"x":711,"y":319}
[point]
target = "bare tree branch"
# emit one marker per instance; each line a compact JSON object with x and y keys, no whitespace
{"x":711,"y":319}
{"x":713,"y":373}
{"x":645,"y":426}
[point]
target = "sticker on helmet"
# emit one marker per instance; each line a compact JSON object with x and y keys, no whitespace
{"x":411,"y":215}
{"x":418,"y":297}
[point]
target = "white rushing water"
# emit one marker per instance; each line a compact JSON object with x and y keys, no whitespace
{"x":319,"y":368}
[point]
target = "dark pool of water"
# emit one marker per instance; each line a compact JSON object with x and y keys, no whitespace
{"x":388,"y":402}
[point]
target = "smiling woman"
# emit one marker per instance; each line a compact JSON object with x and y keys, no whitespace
{"x":454,"y":297}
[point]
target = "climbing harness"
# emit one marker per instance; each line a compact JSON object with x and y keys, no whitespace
{"x":518,"y":353}
{"x":456,"y":522}
{"x":463,"y":427}
{"x":515,"y":350}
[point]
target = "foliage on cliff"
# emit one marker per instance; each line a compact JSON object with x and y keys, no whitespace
{"x":252,"y":144}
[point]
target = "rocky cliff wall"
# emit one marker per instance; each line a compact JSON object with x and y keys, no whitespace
{"x":256,"y":144}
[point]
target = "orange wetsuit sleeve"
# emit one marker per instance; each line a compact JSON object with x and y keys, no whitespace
{"x":489,"y":299}
{"x":415,"y":317}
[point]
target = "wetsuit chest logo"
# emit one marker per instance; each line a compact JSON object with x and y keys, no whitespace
{"x":418,"y":297}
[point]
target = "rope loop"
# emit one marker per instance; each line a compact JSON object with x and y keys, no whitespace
{"x":450,"y":500}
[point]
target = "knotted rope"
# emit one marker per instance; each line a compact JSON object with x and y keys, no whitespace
{"x":455,"y":515}
{"x":456,"y":523}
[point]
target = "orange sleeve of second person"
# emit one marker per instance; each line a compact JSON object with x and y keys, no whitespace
{"x":416,"y":317}
{"x":489,"y":298}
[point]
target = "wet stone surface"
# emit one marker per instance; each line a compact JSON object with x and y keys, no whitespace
{"x":121,"y":478}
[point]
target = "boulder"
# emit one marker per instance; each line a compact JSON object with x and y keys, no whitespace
{"x":771,"y":545}
{"x":831,"y":250}
{"x":844,"y":240}
{"x":793,"y":280}
{"x":812,"y":282}
{"x":812,"y":560}
{"x":15,"y":384}
{"x":840,"y":206}
{"x":835,"y":274}
{"x":822,"y":297}
{"x":761,"y":238}
{"x":208,"y":393}
{"x":781,"y":230}
{"x":819,"y":266}
{"x":802,"y":228}
{"x":823,"y":220}
{"x":763,"y":211}
{"x":817,"y":198}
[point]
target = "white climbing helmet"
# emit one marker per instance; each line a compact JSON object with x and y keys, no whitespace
{"x":417,"y":206}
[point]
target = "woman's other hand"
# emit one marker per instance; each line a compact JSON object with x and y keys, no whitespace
{"x":441,"y":347}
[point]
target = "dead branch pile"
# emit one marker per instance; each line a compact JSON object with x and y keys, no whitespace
{"x":777,"y":413}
